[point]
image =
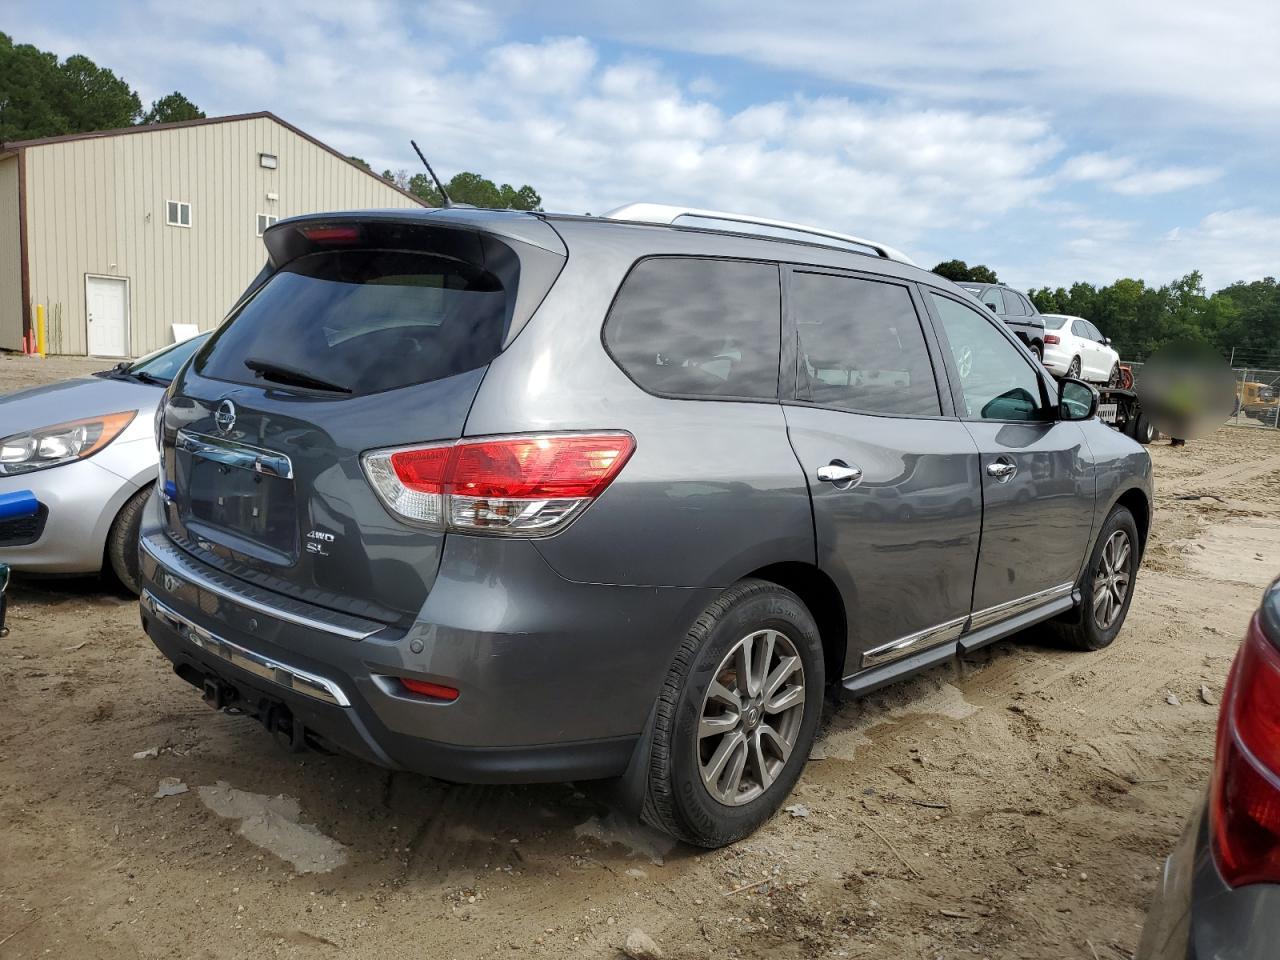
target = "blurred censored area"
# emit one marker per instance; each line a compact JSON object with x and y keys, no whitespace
{"x":1187,"y":390}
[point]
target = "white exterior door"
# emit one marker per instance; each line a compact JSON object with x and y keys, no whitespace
{"x":107,"y":301}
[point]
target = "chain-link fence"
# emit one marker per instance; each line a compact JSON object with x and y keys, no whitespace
{"x":1257,"y":396}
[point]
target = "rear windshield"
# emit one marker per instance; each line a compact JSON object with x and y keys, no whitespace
{"x":1054,"y":323}
{"x":363,"y":321}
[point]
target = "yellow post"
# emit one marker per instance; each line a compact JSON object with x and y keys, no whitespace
{"x":40,"y":329}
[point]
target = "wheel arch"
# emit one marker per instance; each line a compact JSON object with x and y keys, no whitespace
{"x":1135,"y":500}
{"x":824,"y":600}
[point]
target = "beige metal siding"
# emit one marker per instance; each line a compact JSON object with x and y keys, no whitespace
{"x":98,"y":206}
{"x":10,"y":258}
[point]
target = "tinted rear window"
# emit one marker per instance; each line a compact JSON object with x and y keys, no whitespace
{"x":699,"y":328}
{"x":366,"y":320}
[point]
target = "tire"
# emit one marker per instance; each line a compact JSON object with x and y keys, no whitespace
{"x":1038,"y":350}
{"x":677,"y":798}
{"x":1074,"y":369}
{"x":1089,"y":631}
{"x":1113,"y":378}
{"x":1142,"y":429}
{"x":122,"y":540}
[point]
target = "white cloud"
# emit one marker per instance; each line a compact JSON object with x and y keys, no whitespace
{"x":1123,"y":175}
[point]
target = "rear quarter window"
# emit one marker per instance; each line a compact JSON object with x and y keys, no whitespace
{"x":694,"y":327}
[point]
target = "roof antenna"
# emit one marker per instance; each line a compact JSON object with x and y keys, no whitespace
{"x":439,"y":186}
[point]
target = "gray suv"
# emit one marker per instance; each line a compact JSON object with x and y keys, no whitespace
{"x":501,"y":496}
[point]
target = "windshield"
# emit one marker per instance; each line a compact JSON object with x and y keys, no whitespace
{"x":165,"y":363}
{"x":1054,"y":323}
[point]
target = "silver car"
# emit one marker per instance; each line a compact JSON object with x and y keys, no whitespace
{"x":77,"y":463}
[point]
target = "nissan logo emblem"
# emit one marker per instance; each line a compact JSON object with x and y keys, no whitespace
{"x":225,"y":417}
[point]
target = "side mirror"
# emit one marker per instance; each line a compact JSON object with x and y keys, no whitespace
{"x":1106,"y":341}
{"x":1076,"y":400}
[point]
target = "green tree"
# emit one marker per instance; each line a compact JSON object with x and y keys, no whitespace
{"x":470,"y":188}
{"x":958,"y":271}
{"x":94,"y":98}
{"x":360,"y":162}
{"x":172,"y":108}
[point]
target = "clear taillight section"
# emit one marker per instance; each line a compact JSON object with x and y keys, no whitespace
{"x":523,"y":486}
{"x":1245,"y":793}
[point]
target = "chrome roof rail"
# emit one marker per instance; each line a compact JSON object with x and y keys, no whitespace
{"x":669,"y":214}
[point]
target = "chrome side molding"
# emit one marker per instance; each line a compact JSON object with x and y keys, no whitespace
{"x":281,"y":674}
{"x":914,"y":642}
{"x":955,"y":629}
{"x":1012,"y":608}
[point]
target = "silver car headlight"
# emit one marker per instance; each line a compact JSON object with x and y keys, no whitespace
{"x":60,"y":443}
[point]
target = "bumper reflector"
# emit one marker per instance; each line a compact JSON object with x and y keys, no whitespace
{"x":437,"y":691}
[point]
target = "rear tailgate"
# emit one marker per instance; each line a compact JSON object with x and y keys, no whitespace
{"x":370,"y":334}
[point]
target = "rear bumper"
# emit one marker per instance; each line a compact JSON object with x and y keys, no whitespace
{"x":556,"y":678}
{"x":1056,"y":360}
{"x":1195,"y":916}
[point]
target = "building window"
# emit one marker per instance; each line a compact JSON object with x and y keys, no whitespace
{"x":178,"y":213}
{"x":267,"y":161}
{"x":265,"y":220}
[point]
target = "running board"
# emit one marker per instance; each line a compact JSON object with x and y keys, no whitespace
{"x":872,"y":679}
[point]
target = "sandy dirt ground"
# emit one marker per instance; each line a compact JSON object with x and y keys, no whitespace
{"x":1018,"y":805}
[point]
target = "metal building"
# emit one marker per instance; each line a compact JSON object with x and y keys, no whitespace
{"x":117,"y":235}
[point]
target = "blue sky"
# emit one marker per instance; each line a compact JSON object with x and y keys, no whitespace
{"x":1054,"y":142}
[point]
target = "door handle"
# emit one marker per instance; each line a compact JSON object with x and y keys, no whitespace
{"x":1002,"y":470}
{"x":840,"y":474}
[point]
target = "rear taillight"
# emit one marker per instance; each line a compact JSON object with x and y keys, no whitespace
{"x":1245,"y":794}
{"x":523,"y":486}
{"x":1052,"y":338}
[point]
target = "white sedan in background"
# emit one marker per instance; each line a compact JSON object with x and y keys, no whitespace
{"x":1074,"y":347}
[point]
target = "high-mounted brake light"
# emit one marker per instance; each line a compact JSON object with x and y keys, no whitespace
{"x":1244,"y":801}
{"x":1052,"y":338}
{"x":331,"y":234}
{"x":522,"y":486}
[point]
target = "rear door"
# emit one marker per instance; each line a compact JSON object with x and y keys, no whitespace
{"x":893,"y":476}
{"x":368,"y":335}
{"x":1037,"y":474}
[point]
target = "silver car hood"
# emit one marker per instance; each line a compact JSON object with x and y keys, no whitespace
{"x":74,"y":399}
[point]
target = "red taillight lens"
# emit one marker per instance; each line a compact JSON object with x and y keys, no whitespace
{"x":1052,"y":338}
{"x":424,"y":470}
{"x":566,"y":466}
{"x":517,"y":486}
{"x":1245,"y":793}
{"x":425,"y":688}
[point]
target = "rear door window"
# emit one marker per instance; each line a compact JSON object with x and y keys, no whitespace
{"x":694,"y":327}
{"x":1014,"y":305}
{"x":861,"y":347}
{"x":364,"y":320}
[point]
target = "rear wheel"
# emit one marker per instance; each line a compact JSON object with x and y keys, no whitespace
{"x":1074,"y":369}
{"x":1038,"y":350}
{"x":736,"y":716}
{"x":122,"y":540}
{"x":1107,"y":586}
{"x":1113,"y":378}
{"x":1142,"y":429}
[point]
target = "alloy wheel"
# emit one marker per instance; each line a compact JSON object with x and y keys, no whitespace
{"x":1114,"y":576}
{"x":751,"y":717}
{"x":1074,"y":369}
